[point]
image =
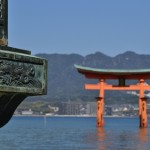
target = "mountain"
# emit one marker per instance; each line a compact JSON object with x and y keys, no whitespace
{"x":65,"y":83}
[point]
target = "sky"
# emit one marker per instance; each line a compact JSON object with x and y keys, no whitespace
{"x":80,"y":26}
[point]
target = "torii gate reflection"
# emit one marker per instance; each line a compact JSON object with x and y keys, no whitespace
{"x":121,"y":75}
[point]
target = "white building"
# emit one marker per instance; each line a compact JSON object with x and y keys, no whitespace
{"x":27,"y":112}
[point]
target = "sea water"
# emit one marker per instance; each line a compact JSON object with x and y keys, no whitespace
{"x":73,"y":133}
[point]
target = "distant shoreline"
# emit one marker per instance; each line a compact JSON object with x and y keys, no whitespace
{"x":54,"y":116}
{"x":94,"y":116}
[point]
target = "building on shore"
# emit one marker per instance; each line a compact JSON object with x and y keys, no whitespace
{"x":27,"y":112}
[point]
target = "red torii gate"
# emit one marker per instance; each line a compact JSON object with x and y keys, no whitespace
{"x":121,"y":75}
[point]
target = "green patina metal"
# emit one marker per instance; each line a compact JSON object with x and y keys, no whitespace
{"x":21,"y":75}
{"x":112,"y":71}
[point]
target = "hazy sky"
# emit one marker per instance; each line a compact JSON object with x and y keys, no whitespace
{"x":80,"y":26}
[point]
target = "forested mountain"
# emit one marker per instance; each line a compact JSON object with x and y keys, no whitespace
{"x":65,"y":83}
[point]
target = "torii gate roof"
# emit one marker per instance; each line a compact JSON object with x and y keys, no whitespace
{"x":114,"y":73}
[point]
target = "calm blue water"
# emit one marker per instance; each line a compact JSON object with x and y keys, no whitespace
{"x":73,"y":133}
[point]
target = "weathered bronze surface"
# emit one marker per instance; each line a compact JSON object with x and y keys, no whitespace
{"x":21,"y":75}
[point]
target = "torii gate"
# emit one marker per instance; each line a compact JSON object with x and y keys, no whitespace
{"x":121,"y":75}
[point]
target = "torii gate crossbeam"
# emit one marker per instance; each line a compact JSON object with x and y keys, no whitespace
{"x":103,"y":74}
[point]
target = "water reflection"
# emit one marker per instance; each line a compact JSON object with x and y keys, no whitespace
{"x":143,"y":135}
{"x":62,"y":133}
{"x":101,"y":134}
{"x":101,"y":138}
{"x":143,"y":139}
{"x":122,"y":139}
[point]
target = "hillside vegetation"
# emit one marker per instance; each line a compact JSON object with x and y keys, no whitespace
{"x":66,"y":84}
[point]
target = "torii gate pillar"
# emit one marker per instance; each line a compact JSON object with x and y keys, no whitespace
{"x":100,"y":105}
{"x":121,"y":75}
{"x":142,"y":106}
{"x":143,"y":114}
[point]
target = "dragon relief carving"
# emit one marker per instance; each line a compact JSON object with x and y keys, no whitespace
{"x":18,"y":74}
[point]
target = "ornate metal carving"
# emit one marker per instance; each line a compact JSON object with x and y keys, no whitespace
{"x":21,"y":75}
{"x":18,"y":74}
